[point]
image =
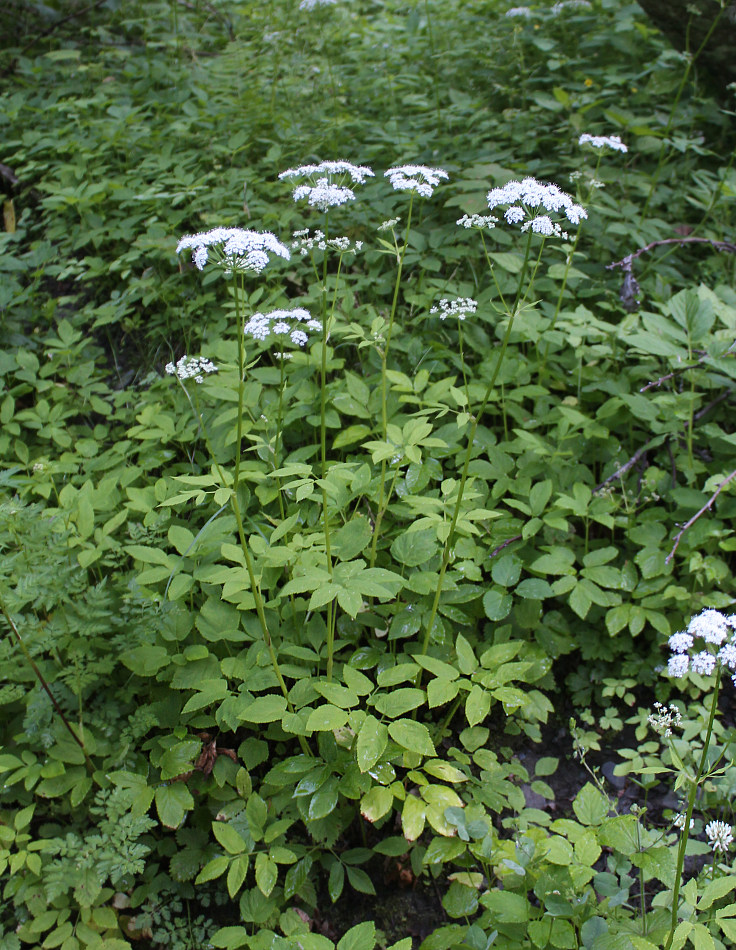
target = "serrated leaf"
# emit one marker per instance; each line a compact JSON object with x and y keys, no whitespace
{"x":371,"y":743}
{"x":360,"y":937}
{"x":413,"y":736}
{"x":376,"y":803}
{"x":172,"y":803}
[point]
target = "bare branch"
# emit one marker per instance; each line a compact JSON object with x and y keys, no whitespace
{"x":706,"y":506}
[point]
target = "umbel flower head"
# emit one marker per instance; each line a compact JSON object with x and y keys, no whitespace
{"x":460,"y":308}
{"x":524,"y":198}
{"x":293,"y":324}
{"x":713,"y":628}
{"x":191,"y":367}
{"x":233,"y":249}
{"x":612,"y":142}
{"x":720,"y":835}
{"x":417,"y":178}
{"x":305,"y":243}
{"x":327,"y":187}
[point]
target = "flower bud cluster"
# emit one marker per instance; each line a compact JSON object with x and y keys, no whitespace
{"x":714,"y":629}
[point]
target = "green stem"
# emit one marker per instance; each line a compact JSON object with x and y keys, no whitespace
{"x":469,"y":451}
{"x":689,"y":813}
{"x":39,"y":675}
{"x":384,"y":359}
{"x":664,"y":149}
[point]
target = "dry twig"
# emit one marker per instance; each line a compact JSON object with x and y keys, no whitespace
{"x":706,"y":506}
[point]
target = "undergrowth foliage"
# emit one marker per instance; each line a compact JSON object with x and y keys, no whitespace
{"x":315,"y":534}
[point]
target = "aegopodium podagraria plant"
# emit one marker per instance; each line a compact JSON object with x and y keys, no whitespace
{"x":705,"y":649}
{"x":420,"y":181}
{"x":524,"y":200}
{"x":236,"y":252}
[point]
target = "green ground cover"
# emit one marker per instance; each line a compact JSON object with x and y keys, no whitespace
{"x":284,"y":637}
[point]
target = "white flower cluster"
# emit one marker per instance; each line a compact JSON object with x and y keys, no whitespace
{"x":417,"y":178}
{"x":233,"y":248}
{"x":713,"y":628}
{"x":324,"y":192}
{"x":191,"y":367}
{"x":720,"y":835}
{"x":292,"y":323}
{"x":477,"y":221}
{"x":524,"y":197}
{"x":603,"y":141}
{"x":558,"y":8}
{"x":664,"y":718}
{"x":311,"y":4}
{"x":388,"y":225}
{"x":356,"y":173}
{"x":460,"y":308}
{"x":304,"y":243}
{"x":545,"y":226}
{"x":679,"y":821}
{"x":519,"y":11}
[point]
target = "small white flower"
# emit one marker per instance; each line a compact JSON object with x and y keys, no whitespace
{"x":544,"y":225}
{"x":460,"y":308}
{"x":664,"y":718}
{"x":341,"y":170}
{"x":233,"y":248}
{"x":477,"y":221}
{"x":324,"y":195}
{"x":282,"y":323}
{"x":711,"y":625}
{"x":727,"y":656}
{"x":304,"y":243}
{"x":191,"y":367}
{"x":703,"y":663}
{"x":388,"y":225}
{"x":514,"y":215}
{"x":311,"y":4}
{"x":299,"y":337}
{"x":677,"y":665}
{"x":720,"y":835}
{"x":417,"y":178}
{"x":558,"y":8}
{"x":519,"y":11}
{"x":603,"y":141}
{"x":523,"y":197}
{"x":680,"y":642}
{"x":679,"y":821}
{"x":283,"y":356}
